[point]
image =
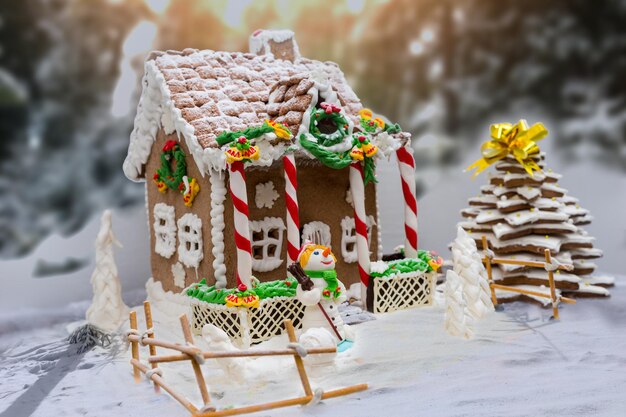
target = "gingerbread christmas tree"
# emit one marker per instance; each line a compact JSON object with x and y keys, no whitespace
{"x":523,"y":211}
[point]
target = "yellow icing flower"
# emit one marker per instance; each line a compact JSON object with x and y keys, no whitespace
{"x":365,"y":114}
{"x":280,"y":130}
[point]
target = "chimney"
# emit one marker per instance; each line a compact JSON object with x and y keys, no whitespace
{"x":279,"y":43}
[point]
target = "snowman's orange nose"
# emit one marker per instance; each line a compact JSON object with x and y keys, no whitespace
{"x":326,"y":252}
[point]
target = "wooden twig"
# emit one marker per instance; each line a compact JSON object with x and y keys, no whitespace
{"x":160,"y":343}
{"x":190,"y":352}
{"x":529,"y":292}
{"x":555,"y":306}
{"x":487,"y":262}
{"x":240,"y":354}
{"x":291,"y":333}
{"x":134,"y":345}
{"x":184,"y":323}
{"x":533,"y":264}
{"x":158,"y":380}
{"x":282,"y":403}
{"x":150,"y":332}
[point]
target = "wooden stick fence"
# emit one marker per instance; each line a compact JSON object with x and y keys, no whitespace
{"x":189,"y":352}
{"x":548,"y":265}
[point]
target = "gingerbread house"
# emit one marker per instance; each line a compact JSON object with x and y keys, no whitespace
{"x":249,"y":154}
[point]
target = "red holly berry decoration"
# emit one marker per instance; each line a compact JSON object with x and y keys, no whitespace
{"x":330,"y":108}
{"x":169,"y":145}
{"x":361,"y":139}
{"x":242,"y":139}
{"x":288,"y":283}
{"x":242,"y":287}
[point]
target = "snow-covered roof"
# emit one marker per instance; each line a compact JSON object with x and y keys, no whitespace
{"x":200,"y":94}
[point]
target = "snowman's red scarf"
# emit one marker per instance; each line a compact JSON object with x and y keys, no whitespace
{"x":332,"y":283}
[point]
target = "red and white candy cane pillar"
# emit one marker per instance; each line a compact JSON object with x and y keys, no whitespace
{"x":291,"y":201}
{"x":406,"y":164}
{"x":238,"y":193}
{"x":357,"y":188}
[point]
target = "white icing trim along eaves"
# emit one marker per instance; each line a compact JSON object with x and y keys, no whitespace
{"x":156,"y":109}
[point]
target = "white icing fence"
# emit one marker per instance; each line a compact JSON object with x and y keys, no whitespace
{"x":248,"y":326}
{"x":403,"y":291}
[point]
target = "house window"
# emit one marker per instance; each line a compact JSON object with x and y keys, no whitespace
{"x":164,"y":227}
{"x":348,"y":237}
{"x":316,"y":232}
{"x":267,"y":243}
{"x":190,"y":240}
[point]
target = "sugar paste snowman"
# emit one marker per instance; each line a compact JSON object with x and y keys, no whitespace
{"x":318,"y":262}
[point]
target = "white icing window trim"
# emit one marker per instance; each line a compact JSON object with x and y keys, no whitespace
{"x":190,"y":240}
{"x":264,"y":243}
{"x":164,"y":227}
{"x":348,"y":237}
{"x":316,"y":232}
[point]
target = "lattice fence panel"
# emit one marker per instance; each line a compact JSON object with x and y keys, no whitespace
{"x":267,"y":321}
{"x":225,"y":318}
{"x":400,"y":293}
{"x":248,"y":326}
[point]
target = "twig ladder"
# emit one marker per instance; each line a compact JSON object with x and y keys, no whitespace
{"x":548,"y":265}
{"x":189,"y":352}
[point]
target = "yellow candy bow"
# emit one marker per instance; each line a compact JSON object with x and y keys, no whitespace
{"x":517,"y":140}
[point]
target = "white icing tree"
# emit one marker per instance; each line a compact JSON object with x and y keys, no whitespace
{"x":469,"y":267}
{"x":457,"y":322}
{"x":107,"y":310}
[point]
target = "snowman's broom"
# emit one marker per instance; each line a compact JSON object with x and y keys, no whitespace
{"x":305,"y":282}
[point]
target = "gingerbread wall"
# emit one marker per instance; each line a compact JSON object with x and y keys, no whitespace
{"x":321,"y":197}
{"x":161,"y":266}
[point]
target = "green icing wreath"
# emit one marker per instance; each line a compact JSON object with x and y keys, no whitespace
{"x":165,"y":175}
{"x":320,"y":117}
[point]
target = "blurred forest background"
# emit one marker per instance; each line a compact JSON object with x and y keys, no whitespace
{"x":444,"y":69}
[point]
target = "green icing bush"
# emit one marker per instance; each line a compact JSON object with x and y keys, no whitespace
{"x":210,"y":294}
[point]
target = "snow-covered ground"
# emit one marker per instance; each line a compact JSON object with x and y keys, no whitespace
{"x":519,"y":364}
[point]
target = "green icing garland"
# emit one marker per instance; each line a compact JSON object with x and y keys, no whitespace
{"x":210,"y":294}
{"x":339,"y":160}
{"x":401,"y":266}
{"x":250,"y":133}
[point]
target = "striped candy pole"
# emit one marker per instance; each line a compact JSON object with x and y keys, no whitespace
{"x":406,"y":164}
{"x":291,"y":200}
{"x":239,"y":196}
{"x":362,"y":248}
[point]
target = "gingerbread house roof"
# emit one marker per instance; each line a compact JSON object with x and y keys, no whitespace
{"x":200,"y":94}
